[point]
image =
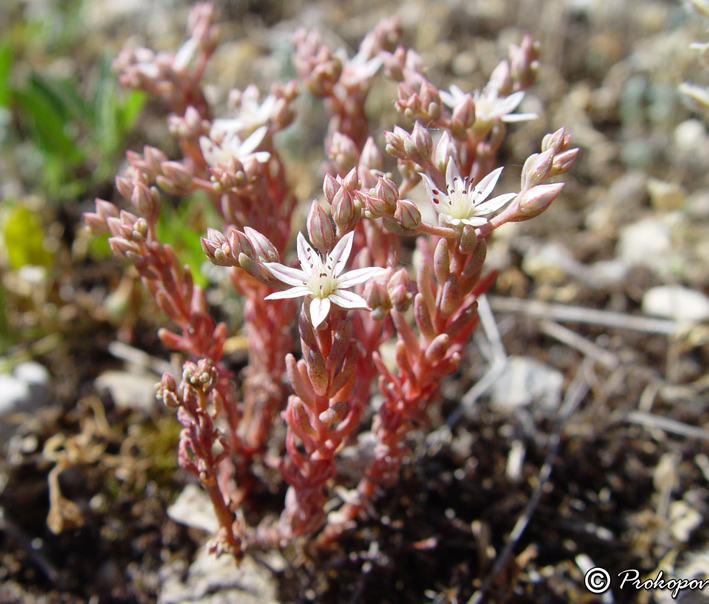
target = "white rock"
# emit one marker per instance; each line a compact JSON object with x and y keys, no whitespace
{"x":25,"y":390}
{"x":194,"y":509}
{"x":212,"y":580}
{"x":129,"y":390}
{"x":526,"y":380}
{"x":14,"y":393}
{"x":32,"y":373}
{"x":676,"y":302}
{"x":645,"y":243}
{"x":690,"y":136}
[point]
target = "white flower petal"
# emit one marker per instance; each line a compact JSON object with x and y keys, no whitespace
{"x":207,"y":147}
{"x":306,"y":254}
{"x":253,"y":141}
{"x":475,"y":221}
{"x":519,"y":117}
{"x":293,"y":292}
{"x":508,"y":104}
{"x":319,"y":309}
{"x":494,"y":204}
{"x":337,"y":259}
{"x":357,"y":276}
{"x":184,"y":55}
{"x":262,"y":156}
{"x":487,"y":184}
{"x":287,"y":274}
{"x":346,"y":299}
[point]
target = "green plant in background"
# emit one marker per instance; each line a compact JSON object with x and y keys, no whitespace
{"x":77,"y":133}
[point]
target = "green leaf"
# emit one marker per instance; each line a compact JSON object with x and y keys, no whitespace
{"x":24,"y":239}
{"x":47,"y":125}
{"x":5,"y":74}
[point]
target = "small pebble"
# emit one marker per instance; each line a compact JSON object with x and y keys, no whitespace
{"x":676,"y":302}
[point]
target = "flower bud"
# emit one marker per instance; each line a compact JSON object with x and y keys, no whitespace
{"x":371,"y":156}
{"x":554,"y":141}
{"x":320,"y":231}
{"x":537,"y":168}
{"x":422,"y":140}
{"x":395,"y":142}
{"x":343,"y":151}
{"x":407,"y":214}
{"x":178,"y":174}
{"x":124,"y":186}
{"x":344,"y":210}
{"x":387,"y":191}
{"x":536,"y":200}
{"x":463,"y":117}
{"x":398,"y":290}
{"x":444,"y":151}
{"x":377,"y":299}
{"x":330,"y":187}
{"x":153,"y":158}
{"x":563,"y":162}
{"x":144,"y":201}
{"x":264,"y":250}
{"x":240,"y":243}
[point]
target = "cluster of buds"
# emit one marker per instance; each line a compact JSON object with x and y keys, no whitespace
{"x":175,"y":77}
{"x":356,"y":292}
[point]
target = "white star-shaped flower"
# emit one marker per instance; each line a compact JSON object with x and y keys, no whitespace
{"x":463,"y":203}
{"x":251,"y":113}
{"x":489,"y":106}
{"x":231,"y":145}
{"x":322,"y":279}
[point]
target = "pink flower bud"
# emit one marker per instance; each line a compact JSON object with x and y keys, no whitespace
{"x":178,"y":173}
{"x":121,"y":248}
{"x":407,"y":214}
{"x":330,"y":187}
{"x":554,"y":141}
{"x":265,"y":251}
{"x":395,"y":143}
{"x":422,"y":140}
{"x":240,"y":243}
{"x":153,"y":158}
{"x":387,"y":191}
{"x":320,"y":231}
{"x":444,"y":150}
{"x":563,"y":162}
{"x":343,"y":151}
{"x":124,"y":186}
{"x":344,"y":210}
{"x":537,"y":168}
{"x":377,"y":299}
{"x":536,"y":200}
{"x":371,"y":156}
